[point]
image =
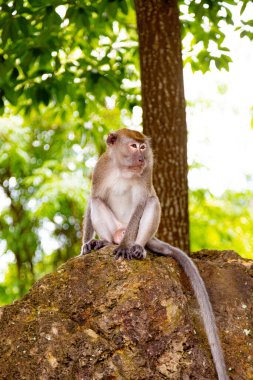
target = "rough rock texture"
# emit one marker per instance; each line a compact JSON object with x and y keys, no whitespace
{"x":98,"y":318}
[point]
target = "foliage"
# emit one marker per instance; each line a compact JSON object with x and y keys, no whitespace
{"x":58,"y":50}
{"x":82,"y":51}
{"x":42,"y":178}
{"x":203,"y":24}
{"x":222,"y":222}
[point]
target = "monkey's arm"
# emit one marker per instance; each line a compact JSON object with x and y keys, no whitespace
{"x":149,"y":222}
{"x":142,"y":226}
{"x":158,"y":246}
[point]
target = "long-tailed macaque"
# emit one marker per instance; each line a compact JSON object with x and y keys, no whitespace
{"x":124,"y":209}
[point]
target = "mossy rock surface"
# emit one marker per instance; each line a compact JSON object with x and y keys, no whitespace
{"x":101,"y":318}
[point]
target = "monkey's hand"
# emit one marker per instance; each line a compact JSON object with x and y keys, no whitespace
{"x":93,"y":245}
{"x":136,"y":251}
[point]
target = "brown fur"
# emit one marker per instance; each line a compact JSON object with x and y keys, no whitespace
{"x":135,"y":135}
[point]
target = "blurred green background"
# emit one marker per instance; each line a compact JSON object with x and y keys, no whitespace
{"x":78,"y":62}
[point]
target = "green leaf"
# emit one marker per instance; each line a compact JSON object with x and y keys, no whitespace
{"x":23,"y":25}
{"x":14,"y":74}
{"x":246,"y":33}
{"x":6,"y":32}
{"x":223,"y":48}
{"x":45,"y":60}
{"x":112,"y":8}
{"x":123,"y":6}
{"x":84,"y":17}
{"x":19,"y":4}
{"x":81,"y":105}
{"x":231,"y":2}
{"x":42,"y":95}
{"x":249,"y":23}
{"x":57,"y":63}
{"x":132,"y":3}
{"x":244,"y":5}
{"x":11,"y":95}
{"x":204,"y":59}
{"x":226,"y":57}
{"x":70,"y":12}
{"x":218,"y":63}
{"x":14,"y":30}
{"x":102,"y":6}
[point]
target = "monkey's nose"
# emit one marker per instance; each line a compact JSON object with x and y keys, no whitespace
{"x":141,"y":159}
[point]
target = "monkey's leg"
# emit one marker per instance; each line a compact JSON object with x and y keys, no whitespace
{"x":90,"y":244}
{"x":103,"y":220}
{"x":141,"y":228}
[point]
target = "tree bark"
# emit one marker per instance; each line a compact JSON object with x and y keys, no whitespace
{"x":164,"y":118}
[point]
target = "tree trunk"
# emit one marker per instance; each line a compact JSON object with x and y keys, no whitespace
{"x":164,"y":112}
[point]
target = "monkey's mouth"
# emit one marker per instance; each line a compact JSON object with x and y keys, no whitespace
{"x":136,"y":168}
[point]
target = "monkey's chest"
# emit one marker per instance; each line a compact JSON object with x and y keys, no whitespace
{"x":123,"y":199}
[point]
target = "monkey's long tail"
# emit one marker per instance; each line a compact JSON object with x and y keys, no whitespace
{"x":157,"y":246}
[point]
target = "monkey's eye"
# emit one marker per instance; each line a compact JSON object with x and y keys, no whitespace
{"x":143,"y":146}
{"x":133,"y":146}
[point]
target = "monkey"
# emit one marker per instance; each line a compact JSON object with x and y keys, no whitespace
{"x":125,"y":210}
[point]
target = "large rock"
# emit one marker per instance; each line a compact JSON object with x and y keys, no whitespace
{"x":99,"y":318}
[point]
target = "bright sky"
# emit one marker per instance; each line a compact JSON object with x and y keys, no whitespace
{"x":220,"y":133}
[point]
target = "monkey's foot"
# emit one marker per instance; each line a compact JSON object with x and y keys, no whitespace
{"x":128,"y":253}
{"x":93,"y":245}
{"x":138,"y":252}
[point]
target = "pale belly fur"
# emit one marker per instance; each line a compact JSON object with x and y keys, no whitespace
{"x":123,"y":199}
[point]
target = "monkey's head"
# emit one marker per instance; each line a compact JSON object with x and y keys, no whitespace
{"x":130,"y":150}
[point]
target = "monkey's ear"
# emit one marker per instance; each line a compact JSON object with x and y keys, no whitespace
{"x":111,"y":139}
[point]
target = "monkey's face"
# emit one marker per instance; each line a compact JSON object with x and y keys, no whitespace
{"x":130,"y":153}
